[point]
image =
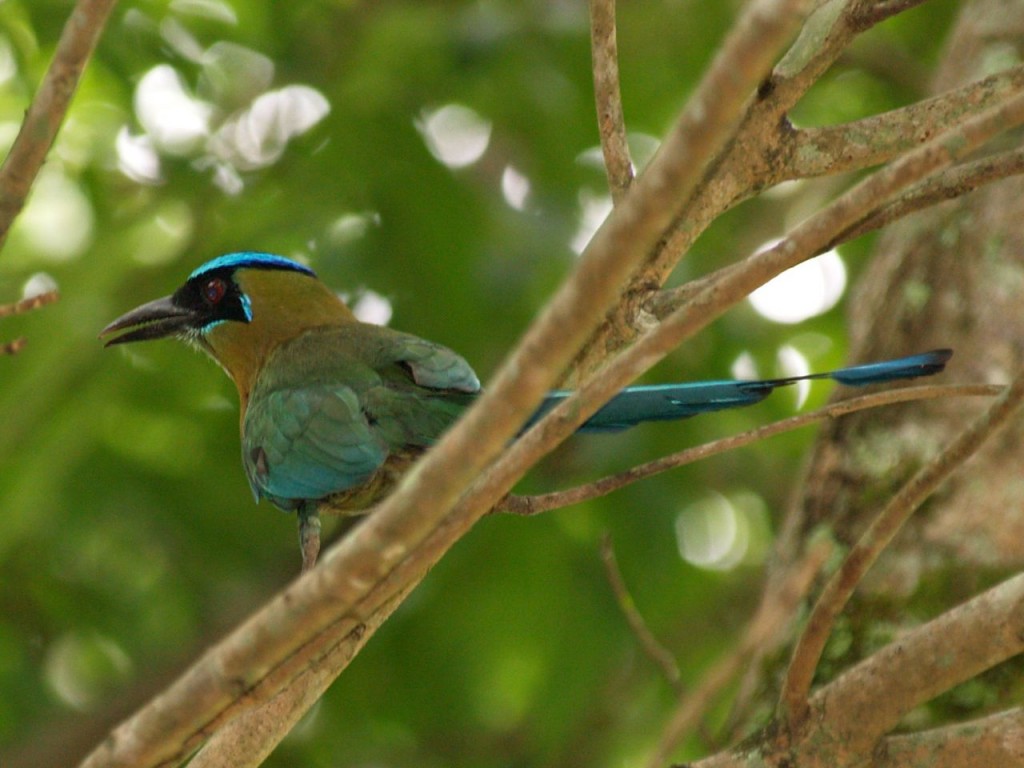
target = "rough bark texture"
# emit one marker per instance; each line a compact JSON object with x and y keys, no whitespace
{"x":951,"y":276}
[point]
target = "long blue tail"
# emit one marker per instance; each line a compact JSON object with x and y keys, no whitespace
{"x":661,"y":402}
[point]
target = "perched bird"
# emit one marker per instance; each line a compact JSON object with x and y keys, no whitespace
{"x":333,"y":410}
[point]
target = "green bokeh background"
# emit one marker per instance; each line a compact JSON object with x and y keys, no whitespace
{"x":129,"y":541}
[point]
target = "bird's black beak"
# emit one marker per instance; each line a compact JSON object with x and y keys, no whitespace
{"x":154,"y":320}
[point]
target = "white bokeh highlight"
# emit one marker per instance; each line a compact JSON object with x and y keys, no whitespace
{"x":456,"y":135}
{"x":58,"y":221}
{"x":176,"y":122}
{"x":793,"y":363}
{"x":802,"y":292}
{"x":231,"y":123}
{"x":720,"y":532}
{"x":594,"y":209}
{"x":515,"y":188}
{"x":373,"y":308}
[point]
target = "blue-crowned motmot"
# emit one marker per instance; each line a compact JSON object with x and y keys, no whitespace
{"x":333,"y":410}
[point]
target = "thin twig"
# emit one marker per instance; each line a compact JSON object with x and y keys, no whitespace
{"x":876,"y":538}
{"x":774,"y":615}
{"x":527,"y":506}
{"x":650,"y":644}
{"x":18,"y":308}
{"x":29,"y":304}
{"x":611,"y":122}
{"x":871,"y":12}
{"x":46,"y":112}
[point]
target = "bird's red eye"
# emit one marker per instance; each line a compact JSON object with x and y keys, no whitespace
{"x":214,"y":291}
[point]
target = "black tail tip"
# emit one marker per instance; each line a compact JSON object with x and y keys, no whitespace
{"x":937,"y":359}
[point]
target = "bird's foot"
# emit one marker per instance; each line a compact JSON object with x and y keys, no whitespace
{"x":309,"y":537}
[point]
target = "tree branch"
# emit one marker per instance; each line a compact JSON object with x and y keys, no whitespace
{"x":829,"y":30}
{"x":987,"y":741}
{"x":854,"y":711}
{"x":948,"y":185}
{"x":46,"y":112}
{"x":611,"y":122}
{"x":871,"y":12}
{"x":879,"y":138}
{"x":247,"y":740}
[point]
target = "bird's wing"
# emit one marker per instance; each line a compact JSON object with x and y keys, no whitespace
{"x":308,"y":442}
{"x":422,"y":389}
{"x":333,"y":405}
{"x":430,"y":365}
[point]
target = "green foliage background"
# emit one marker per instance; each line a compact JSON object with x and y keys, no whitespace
{"x":128,"y":537}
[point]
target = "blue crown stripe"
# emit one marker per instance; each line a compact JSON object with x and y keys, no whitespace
{"x":251,"y":259}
